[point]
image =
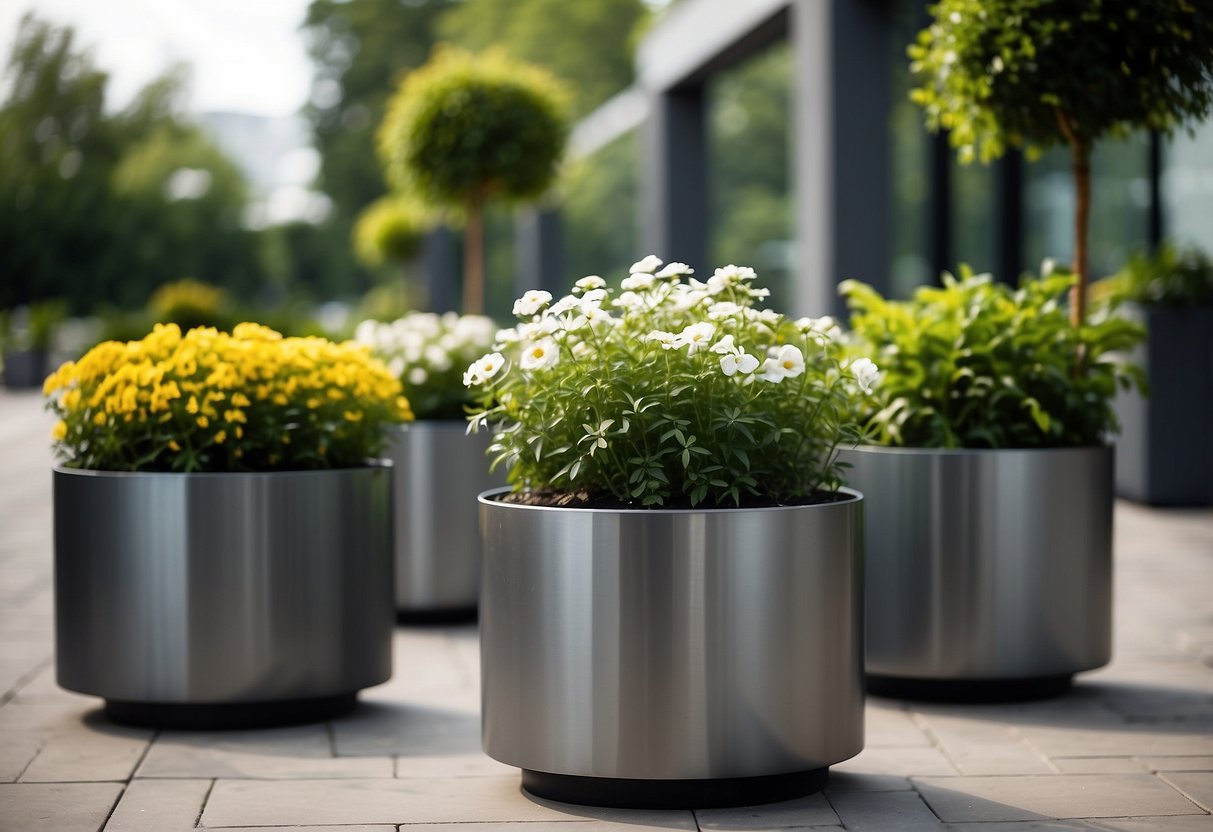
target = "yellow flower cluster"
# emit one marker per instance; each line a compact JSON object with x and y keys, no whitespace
{"x":212,"y":401}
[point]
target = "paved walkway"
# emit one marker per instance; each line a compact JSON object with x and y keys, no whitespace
{"x":1131,"y":748}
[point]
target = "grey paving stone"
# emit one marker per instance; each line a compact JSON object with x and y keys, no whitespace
{"x":1197,"y":786}
{"x":407,"y":729}
{"x":159,"y":805}
{"x":91,"y":750}
{"x":684,"y":821}
{"x":805,"y":812}
{"x":302,"y":752}
{"x":62,"y":807}
{"x":979,"y":746}
{"x":901,"y":811}
{"x":897,"y":762}
{"x":1177,"y":763}
{"x":1174,"y":823}
{"x":1042,"y":797}
{"x":402,"y":801}
{"x":476,"y":764}
{"x":1097,"y":765}
{"x":1124,"y":740}
{"x":343,"y":828}
{"x":848,"y":781}
{"x":887,"y":726}
{"x":16,"y":752}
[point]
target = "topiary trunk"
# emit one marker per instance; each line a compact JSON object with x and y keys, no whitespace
{"x":473,"y":258}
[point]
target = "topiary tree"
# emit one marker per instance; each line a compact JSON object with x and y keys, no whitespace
{"x":1036,"y":73}
{"x":463,"y":129}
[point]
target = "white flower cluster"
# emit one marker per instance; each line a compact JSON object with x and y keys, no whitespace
{"x":654,"y":291}
{"x":422,"y":345}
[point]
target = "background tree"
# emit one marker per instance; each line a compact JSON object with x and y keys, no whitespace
{"x":464,"y":129}
{"x":1035,"y":73}
{"x":589,"y":46}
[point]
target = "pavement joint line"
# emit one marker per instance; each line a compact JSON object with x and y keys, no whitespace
{"x":22,"y":681}
{"x":924,"y":725}
{"x":205,"y":799}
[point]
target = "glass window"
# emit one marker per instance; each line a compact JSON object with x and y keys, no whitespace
{"x":751,"y":210}
{"x":1187,"y":187}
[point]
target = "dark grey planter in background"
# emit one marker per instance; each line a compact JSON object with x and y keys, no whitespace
{"x":1164,"y":455}
{"x":988,"y":572}
{"x":223,"y":600}
{"x":25,"y":369}
{"x":439,"y":471}
{"x":667,"y":658}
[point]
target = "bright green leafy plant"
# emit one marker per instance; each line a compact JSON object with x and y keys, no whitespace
{"x":1173,"y":276}
{"x":428,"y":353}
{"x":978,"y":364}
{"x":668,"y":393}
{"x":210,"y":401}
{"x":1037,"y":73}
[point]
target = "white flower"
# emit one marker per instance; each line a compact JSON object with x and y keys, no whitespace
{"x":418,"y":376}
{"x":597,"y":435}
{"x":540,"y":355}
{"x":648,"y":265}
{"x":639,"y":280}
{"x":786,"y":362}
{"x":439,"y":359}
{"x":675,"y":270}
{"x":506,"y":336}
{"x":866,"y":374}
{"x":723,"y":309}
{"x":595,"y":314}
{"x":824,"y":327}
{"x":728,"y":276}
{"x":367,"y":332}
{"x":565,"y":304}
{"x":483,"y":369}
{"x":593,"y":296}
{"x":589,"y":282}
{"x":688,"y":296}
{"x":734,"y":359}
{"x":531,"y":302}
{"x":629,"y":300}
{"x":695,"y":337}
{"x":666,"y":339}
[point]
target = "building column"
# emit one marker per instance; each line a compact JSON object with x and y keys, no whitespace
{"x":539,"y":251}
{"x":840,"y":157}
{"x":674,"y":173}
{"x":443,"y":277}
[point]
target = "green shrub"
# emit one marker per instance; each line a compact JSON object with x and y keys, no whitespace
{"x":978,"y":364}
{"x":1173,"y":276}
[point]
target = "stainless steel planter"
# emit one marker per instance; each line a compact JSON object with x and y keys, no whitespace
{"x":438,"y":472}
{"x":223,"y":599}
{"x":666,"y":657}
{"x":988,"y":572}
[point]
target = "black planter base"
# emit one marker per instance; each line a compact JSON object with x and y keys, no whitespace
{"x":234,"y":715}
{"x":973,"y":691}
{"x":673,"y":794}
{"x":435,"y":617}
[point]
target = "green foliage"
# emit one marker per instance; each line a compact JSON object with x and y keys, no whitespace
{"x":428,"y":353}
{"x":1174,"y":276}
{"x":465,"y":128}
{"x":587,"y":45}
{"x":661,"y":395}
{"x":977,"y":364}
{"x":189,"y":303}
{"x":390,"y":231}
{"x":1011,"y":73}
{"x":359,"y":47}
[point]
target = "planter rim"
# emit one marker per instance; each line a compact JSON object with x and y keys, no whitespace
{"x":371,"y":464}
{"x":489,"y":498}
{"x":428,"y":424}
{"x":923,"y":451}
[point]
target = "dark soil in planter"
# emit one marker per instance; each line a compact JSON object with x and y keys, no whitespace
{"x":584,"y":499}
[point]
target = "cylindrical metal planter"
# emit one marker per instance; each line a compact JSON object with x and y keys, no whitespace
{"x":654,"y":658}
{"x":208,"y":600}
{"x":988,"y":572}
{"x":439,"y":470}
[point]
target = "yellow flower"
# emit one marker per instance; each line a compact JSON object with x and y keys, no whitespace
{"x":99,"y":419}
{"x":240,"y":400}
{"x":173,"y":446}
{"x":59,"y":430}
{"x":234,"y":415}
{"x":220,"y":437}
{"x":352,"y":416}
{"x":203,"y":422}
{"x":191,"y":407}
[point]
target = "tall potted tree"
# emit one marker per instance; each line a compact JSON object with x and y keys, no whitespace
{"x":1034,"y":74}
{"x":465,"y":129}
{"x":671,"y":613}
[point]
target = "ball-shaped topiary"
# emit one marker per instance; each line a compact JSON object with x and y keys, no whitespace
{"x":390,"y":230}
{"x":1035,"y":73}
{"x":464,"y":128}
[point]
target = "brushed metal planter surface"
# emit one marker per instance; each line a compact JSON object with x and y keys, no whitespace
{"x":672,"y":645}
{"x":223,"y":589}
{"x":986,"y":564}
{"x":438,"y":471}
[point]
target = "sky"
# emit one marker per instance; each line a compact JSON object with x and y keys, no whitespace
{"x":247,"y":56}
